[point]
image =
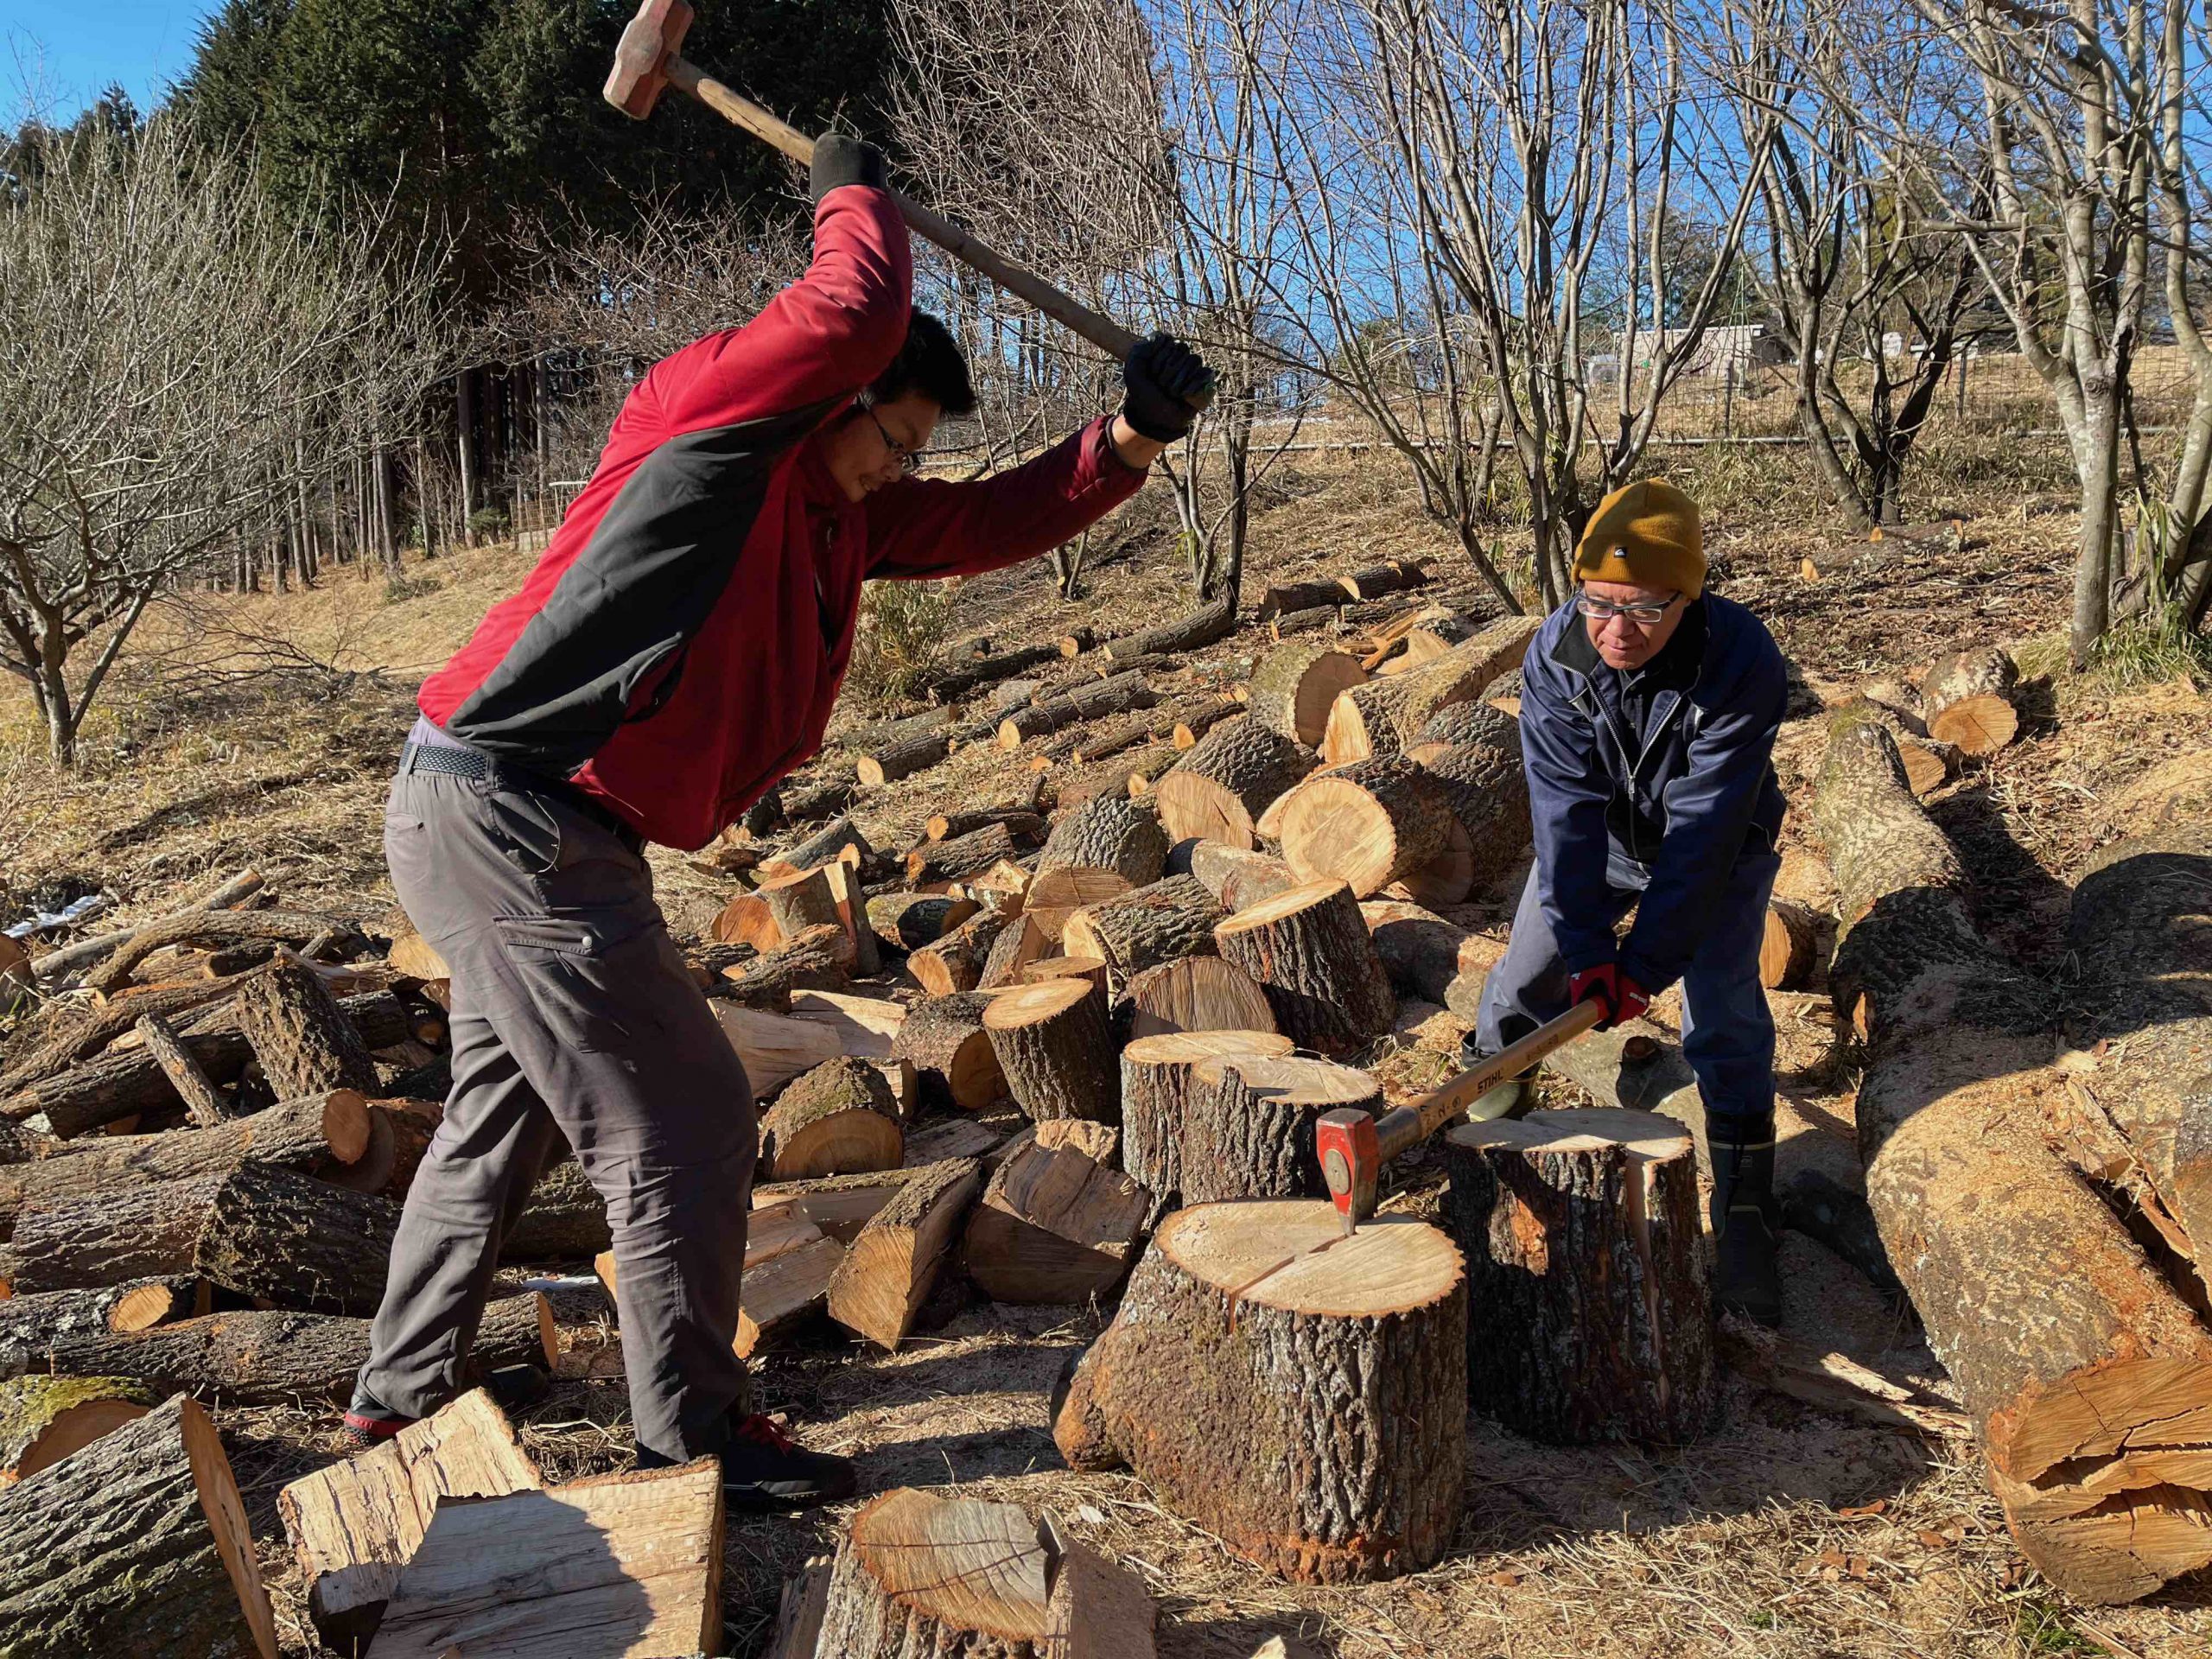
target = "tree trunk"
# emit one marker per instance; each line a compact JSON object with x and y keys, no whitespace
{"x":944,"y":1036}
{"x":1157,"y":1079}
{"x":465,"y":451}
{"x":893,"y":1262}
{"x":1218,"y":789}
{"x":839,"y":1119}
{"x":1296,"y":685}
{"x":1054,"y":1226}
{"x":1054,"y":1046}
{"x":1192,"y":633}
{"x":1327,"y":1446}
{"x":1309,"y":950}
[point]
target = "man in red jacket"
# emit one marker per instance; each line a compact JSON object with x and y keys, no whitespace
{"x":677,"y":650}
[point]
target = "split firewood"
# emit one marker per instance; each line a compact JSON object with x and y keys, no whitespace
{"x":908,"y":921}
{"x":838,"y":1119}
{"x":1583,"y":1249}
{"x":640,"y":1553}
{"x":846,"y":892}
{"x":1003,"y":889}
{"x":355,"y":1525}
{"x":1237,"y":876}
{"x":1221,"y":785}
{"x":1107,"y":833}
{"x":1967,"y":699}
{"x":1164,"y":922}
{"x":1788,"y":947}
{"x":1054,"y":1226}
{"x":1384,"y":716}
{"x":773,"y":1047}
{"x":837,"y":1206}
{"x":34,"y":1323}
{"x":746,"y":920}
{"x":1248,"y":1128}
{"x":1308,"y":950}
{"x":959,"y":856}
{"x":789,"y":1262}
{"x":1418,"y":646}
{"x":1201,"y":628}
{"x":1422,"y":954}
{"x":799,"y":1613}
{"x":1296,"y":685}
{"x":565,"y":1219}
{"x":1019,"y":943}
{"x":944,"y":1036}
{"x":865,"y":1027}
{"x":800,"y":900}
{"x":57,"y":966}
{"x":1325,"y":1440}
{"x":1055,"y":1045}
{"x":1156,"y":1074}
{"x":1195,"y":994}
{"x":818,"y":958}
{"x":137,"y":1544}
{"x":892,"y":1263}
{"x":917,"y":1574}
{"x":44,"y":1418}
{"x":1058,"y":894}
{"x":955,"y":962}
{"x":201,"y":927}
{"x":1115,"y":695}
{"x":2089,"y":1376}
{"x":1367,"y":824}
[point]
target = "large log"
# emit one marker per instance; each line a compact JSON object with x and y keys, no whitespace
{"x":1476,"y":723}
{"x":1108,"y":832}
{"x":1246,"y":1129}
{"x":838,"y":1119}
{"x":1221,"y":785}
{"x":1487,"y":789}
{"x":305,"y":1043}
{"x":892,"y":1263}
{"x":1308,"y":950}
{"x":1581,"y":1238}
{"x":1195,"y":994}
{"x":1367,"y":824}
{"x":944,"y":1036}
{"x":1391,"y":576}
{"x":908,"y":921}
{"x":954,"y":683}
{"x":957,"y":857}
{"x":1296,"y":684}
{"x":201,"y":927}
{"x":1201,"y":628}
{"x":1237,"y":876}
{"x":77,"y":1033}
{"x":1054,"y":1226}
{"x":1788,"y":947}
{"x":1385,"y":716}
{"x":1056,"y":1049}
{"x":1300,"y":1394}
{"x":1115,"y":695}
{"x":1019,"y":943}
{"x":2089,"y":1378}
{"x":799,"y":900}
{"x":1421,"y":953}
{"x":563,"y":1220}
{"x":1166,"y":922}
{"x":138,"y":1544}
{"x":1157,"y":1073}
{"x":1967,"y":699}
{"x":44,"y":1418}
{"x":817,"y":958}
{"x":919,"y":1574}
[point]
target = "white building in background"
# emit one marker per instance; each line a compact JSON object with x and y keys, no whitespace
{"x":1730,"y":349}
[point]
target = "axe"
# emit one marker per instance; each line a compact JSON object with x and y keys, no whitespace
{"x":651,"y":57}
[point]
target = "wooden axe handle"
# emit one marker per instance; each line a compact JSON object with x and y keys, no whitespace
{"x":1102,"y":331}
{"x":1410,"y":1125}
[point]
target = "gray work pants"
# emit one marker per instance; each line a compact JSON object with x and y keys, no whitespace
{"x":575,"y":1017}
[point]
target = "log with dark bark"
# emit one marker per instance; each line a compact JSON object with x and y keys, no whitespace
{"x":272,"y":1359}
{"x":814,"y":959}
{"x":1488,"y":789}
{"x":564,"y":1220}
{"x":1300,"y":1394}
{"x":1108,"y":833}
{"x":1056,"y":1048}
{"x":1367,"y":824}
{"x":302,"y":1039}
{"x":958,"y":682}
{"x":1019,"y":816}
{"x":1422,"y":954}
{"x":1292,"y":598}
{"x":136,"y":1545}
{"x":944,"y":1036}
{"x":2089,"y":1376}
{"x":908,"y":921}
{"x":1385,"y":716}
{"x":956,"y":962}
{"x":918,"y":1574}
{"x":1196,"y":994}
{"x":1247,"y":1130}
{"x":1115,"y":695}
{"x":1111,"y":737}
{"x":204,"y":1103}
{"x":1054,"y":1226}
{"x":1164,"y":922}
{"x":293,"y":928}
{"x":881,"y":734}
{"x":892,"y":1263}
{"x":77,"y":1035}
{"x":1475,"y":723}
{"x":1156,"y":1079}
{"x":810,"y":803}
{"x":36,"y":1323}
{"x":902,"y":758}
{"x":1201,"y":628}
{"x":1218,"y":789}
{"x":1787,"y":947}
{"x":1314,"y":619}
{"x":1296,"y":685}
{"x":1967,"y":699}
{"x":959,"y":856}
{"x":1019,"y":943}
{"x":798,"y":901}
{"x":1581,"y":1239}
{"x":1308,"y":948}
{"x":44,"y":1418}
{"x":55,"y":968}
{"x":838,"y":1119}
{"x":1392,"y":576}
{"x":837,"y":842}
{"x":1193,"y":717}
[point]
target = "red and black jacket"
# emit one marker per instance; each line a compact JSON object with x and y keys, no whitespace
{"x":679,"y":647}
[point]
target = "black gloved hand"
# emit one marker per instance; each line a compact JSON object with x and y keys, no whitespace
{"x":1169,"y":383}
{"x":840,"y":159}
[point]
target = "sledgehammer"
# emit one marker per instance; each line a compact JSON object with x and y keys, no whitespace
{"x":1353,"y":1147}
{"x":651,"y":57}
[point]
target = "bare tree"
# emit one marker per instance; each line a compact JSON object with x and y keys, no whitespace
{"x":165,"y":337}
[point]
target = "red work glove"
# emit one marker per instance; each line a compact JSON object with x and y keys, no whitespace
{"x":1624,"y":999}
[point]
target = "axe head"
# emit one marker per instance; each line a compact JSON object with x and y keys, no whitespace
{"x":653,"y":40}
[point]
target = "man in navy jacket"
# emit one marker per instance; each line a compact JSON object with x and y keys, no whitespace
{"x":1648,"y":712}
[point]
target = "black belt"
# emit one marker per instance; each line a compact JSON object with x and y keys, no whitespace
{"x":454,"y":760}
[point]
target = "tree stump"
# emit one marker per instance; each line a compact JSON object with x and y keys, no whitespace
{"x":892,"y":1262}
{"x":918,"y":1574}
{"x":1055,"y":1225}
{"x":1581,"y":1231}
{"x":1248,"y":1125}
{"x":1197,"y":993}
{"x":1790,"y":946}
{"x":1308,"y":950}
{"x":1297,"y":683}
{"x":839,"y":1119}
{"x":944,"y":1036}
{"x":1164,"y":922}
{"x":305,"y":1043}
{"x":44,"y":1418}
{"x":1367,"y":825}
{"x":1054,"y":1044}
{"x":955,"y":962}
{"x":1108,"y":832}
{"x":1967,"y":699}
{"x":1157,"y":1076}
{"x":1385,"y":716}
{"x":1222,"y":784}
{"x":1301,"y":1394}
{"x":138,"y":1544}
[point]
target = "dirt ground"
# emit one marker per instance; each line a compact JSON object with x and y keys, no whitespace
{"x":261,"y":731}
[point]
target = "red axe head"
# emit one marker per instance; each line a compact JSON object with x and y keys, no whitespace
{"x":652,"y":39}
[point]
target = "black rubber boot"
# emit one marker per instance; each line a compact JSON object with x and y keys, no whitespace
{"x":1746,"y":1224}
{"x":763,"y":1468}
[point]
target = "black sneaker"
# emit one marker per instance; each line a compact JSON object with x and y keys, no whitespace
{"x":1746,"y":1230}
{"x":763,"y":1468}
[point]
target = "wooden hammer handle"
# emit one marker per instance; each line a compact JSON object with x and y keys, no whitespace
{"x":1102,"y":331}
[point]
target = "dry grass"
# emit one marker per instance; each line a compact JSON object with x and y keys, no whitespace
{"x":261,"y":731}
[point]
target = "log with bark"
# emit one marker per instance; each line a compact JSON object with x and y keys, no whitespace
{"x":1581,"y":1238}
{"x":563,"y":1220}
{"x":77,"y":1035}
{"x":892,"y":1263}
{"x":1475,"y":722}
{"x":1308,"y":950}
{"x":1967,"y":699}
{"x":44,"y":1418}
{"x":138,"y":1544}
{"x":956,"y":962}
{"x":1488,"y":789}
{"x":1392,"y":576}
{"x":1367,"y":824}
{"x":957,"y":683}
{"x":1421,"y":953}
{"x":1201,"y":628}
{"x":34,"y":1323}
{"x":1246,"y":1129}
{"x":1300,"y":1394}
{"x":302,"y":1039}
{"x":55,"y":967}
{"x":799,"y":900}
{"x":814,"y":959}
{"x":881,"y":734}
{"x":293,"y":928}
{"x":1019,"y":943}
{"x":1164,"y":922}
{"x":1296,"y":685}
{"x":918,"y":1574}
{"x":1055,"y":1045}
{"x":1113,"y":736}
{"x":1292,"y":598}
{"x":2089,"y":1376}
{"x":944,"y":1036}
{"x":204,"y":1104}
{"x":1108,"y":833}
{"x":1019,"y":816}
{"x":1314,"y":619}
{"x":1193,"y":717}
{"x":1054,"y":1225}
{"x":1115,"y":695}
{"x":1091,"y":969}
{"x":959,"y":856}
{"x":838,"y":1119}
{"x":902,"y":758}
{"x":1196,"y":994}
{"x":1237,"y":876}
{"x":838,"y":841}
{"x":1788,"y":947}
{"x":1156,"y":1081}
{"x":1218,"y":789}
{"x":1386,"y":716}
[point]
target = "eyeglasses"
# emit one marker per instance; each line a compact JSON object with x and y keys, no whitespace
{"x":908,"y":459}
{"x":1644,"y":614}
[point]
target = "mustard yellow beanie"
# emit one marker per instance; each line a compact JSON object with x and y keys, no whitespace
{"x":1646,"y":534}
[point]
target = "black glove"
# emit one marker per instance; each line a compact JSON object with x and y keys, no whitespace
{"x":1169,"y":385}
{"x":840,"y":160}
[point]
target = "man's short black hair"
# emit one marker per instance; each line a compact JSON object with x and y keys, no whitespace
{"x":929,"y":363}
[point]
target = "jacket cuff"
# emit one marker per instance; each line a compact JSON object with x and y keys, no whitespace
{"x":1596,"y":956}
{"x":1645,"y":972}
{"x":1105,"y":424}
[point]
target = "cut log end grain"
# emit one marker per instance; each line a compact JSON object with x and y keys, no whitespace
{"x":1092,"y":968}
{"x":1581,"y":1237}
{"x":1197,"y":993}
{"x":1158,"y":1070}
{"x":1296,"y":684}
{"x":902,"y":760}
{"x":1386,"y":716}
{"x":746,"y":920}
{"x":892,"y":1263}
{"x":800,"y":900}
{"x":955,"y":962}
{"x":1967,"y":699}
{"x":1308,"y":950}
{"x":44,"y":1418}
{"x":838,"y":1119}
{"x":944,"y":1036}
{"x":1977,"y":725}
{"x":1164,"y":922}
{"x":1789,"y":945}
{"x":1218,"y":789}
{"x":1298,"y":1393}
{"x":1055,"y":1045}
{"x":1375,"y":822}
{"x":1054,"y":1226}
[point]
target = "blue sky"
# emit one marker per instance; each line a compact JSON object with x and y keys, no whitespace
{"x":64,"y":51}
